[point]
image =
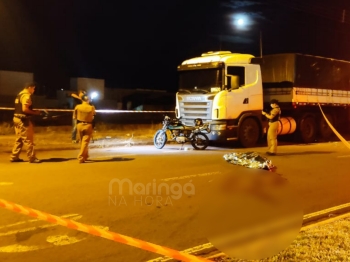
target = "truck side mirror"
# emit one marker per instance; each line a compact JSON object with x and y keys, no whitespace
{"x":233,"y":82}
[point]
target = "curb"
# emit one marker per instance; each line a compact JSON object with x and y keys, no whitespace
{"x":309,"y":220}
{"x":323,"y":215}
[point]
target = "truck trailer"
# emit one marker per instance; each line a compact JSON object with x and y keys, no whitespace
{"x":230,"y":90}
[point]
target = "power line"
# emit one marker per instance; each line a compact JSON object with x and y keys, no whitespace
{"x":330,"y":12}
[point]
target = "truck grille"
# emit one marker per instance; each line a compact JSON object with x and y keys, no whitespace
{"x":192,"y":110}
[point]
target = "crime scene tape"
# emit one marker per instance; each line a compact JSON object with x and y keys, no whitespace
{"x":97,"y":110}
{"x":101,"y":233}
{"x":346,"y":143}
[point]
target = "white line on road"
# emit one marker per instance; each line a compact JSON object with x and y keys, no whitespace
{"x":18,"y":248}
{"x":191,"y":176}
{"x":63,"y":240}
{"x":6,"y":183}
{"x":13,"y":232}
{"x":58,"y":240}
{"x":34,"y":220}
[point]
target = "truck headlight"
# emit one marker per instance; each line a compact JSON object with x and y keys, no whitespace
{"x":218,"y":127}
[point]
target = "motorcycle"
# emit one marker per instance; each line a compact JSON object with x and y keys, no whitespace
{"x":175,"y":130}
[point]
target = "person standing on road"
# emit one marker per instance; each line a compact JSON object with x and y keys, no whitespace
{"x":84,"y":114}
{"x":23,"y":124}
{"x":274,"y":117}
{"x":78,"y":97}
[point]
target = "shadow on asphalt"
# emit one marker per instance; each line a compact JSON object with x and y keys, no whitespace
{"x":114,"y":159}
{"x":305,"y":153}
{"x":59,"y":159}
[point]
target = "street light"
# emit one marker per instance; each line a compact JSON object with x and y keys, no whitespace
{"x":93,"y":95}
{"x":261,"y":46}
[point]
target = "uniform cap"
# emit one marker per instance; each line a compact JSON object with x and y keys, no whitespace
{"x":85,"y":98}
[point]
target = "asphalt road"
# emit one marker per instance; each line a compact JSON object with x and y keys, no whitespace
{"x":90,"y":194}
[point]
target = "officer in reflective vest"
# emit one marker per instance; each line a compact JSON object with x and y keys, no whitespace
{"x":84,"y":114}
{"x":23,"y":125}
{"x":274,"y":117}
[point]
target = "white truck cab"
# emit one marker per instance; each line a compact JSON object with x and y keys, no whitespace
{"x":230,"y":90}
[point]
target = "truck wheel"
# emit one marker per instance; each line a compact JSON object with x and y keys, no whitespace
{"x":249,"y":133}
{"x":325,"y":131}
{"x":160,"y":139}
{"x":308,"y":129}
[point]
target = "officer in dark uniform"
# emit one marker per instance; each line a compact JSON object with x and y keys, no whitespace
{"x":274,"y":117}
{"x":84,"y":114}
{"x":23,"y":125}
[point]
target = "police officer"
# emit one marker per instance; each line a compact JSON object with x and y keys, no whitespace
{"x":23,"y":125}
{"x":274,"y":117}
{"x":74,"y":121}
{"x":84,"y":114}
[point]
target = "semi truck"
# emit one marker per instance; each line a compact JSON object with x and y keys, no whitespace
{"x":230,"y":90}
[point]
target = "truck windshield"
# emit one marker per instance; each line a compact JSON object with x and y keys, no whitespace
{"x":200,"y":80}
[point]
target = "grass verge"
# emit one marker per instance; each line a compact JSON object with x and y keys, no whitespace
{"x":327,"y":242}
{"x":103,"y":136}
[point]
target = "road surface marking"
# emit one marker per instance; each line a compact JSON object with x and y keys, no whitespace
{"x":191,"y":250}
{"x":56,"y":240}
{"x":92,"y":230}
{"x":344,"y":156}
{"x":13,"y":232}
{"x":34,"y":220}
{"x":208,"y":246}
{"x":191,"y":176}
{"x":173,"y":151}
{"x":17,"y":248}
{"x":326,"y":211}
{"x":6,"y":183}
{"x":63,"y":240}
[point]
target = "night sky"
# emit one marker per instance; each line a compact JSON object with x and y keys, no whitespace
{"x":139,"y":44}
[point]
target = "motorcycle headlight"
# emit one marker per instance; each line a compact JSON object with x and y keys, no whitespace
{"x":198,"y":122}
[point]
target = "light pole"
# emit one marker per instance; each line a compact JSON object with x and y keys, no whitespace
{"x":261,"y":46}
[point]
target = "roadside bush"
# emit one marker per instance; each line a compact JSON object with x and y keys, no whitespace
{"x":6,"y":129}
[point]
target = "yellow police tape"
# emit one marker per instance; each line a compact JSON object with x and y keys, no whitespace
{"x":346,"y":143}
{"x":92,"y":230}
{"x":98,"y":110}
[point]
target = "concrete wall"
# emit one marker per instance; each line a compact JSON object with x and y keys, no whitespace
{"x":11,"y":82}
{"x":7,"y":100}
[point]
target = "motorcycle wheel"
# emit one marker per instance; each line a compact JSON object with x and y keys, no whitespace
{"x":160,"y":139}
{"x":200,"y":141}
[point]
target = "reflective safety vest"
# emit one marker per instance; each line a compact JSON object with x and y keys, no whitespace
{"x":18,"y":104}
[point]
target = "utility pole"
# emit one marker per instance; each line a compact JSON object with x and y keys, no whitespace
{"x":261,"y":47}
